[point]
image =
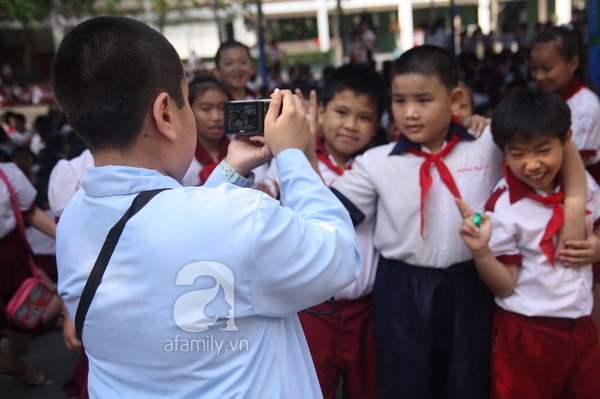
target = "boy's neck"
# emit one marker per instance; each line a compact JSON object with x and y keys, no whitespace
{"x":239,"y":94}
{"x":340,"y":159}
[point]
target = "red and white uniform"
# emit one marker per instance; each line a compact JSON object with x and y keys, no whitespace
{"x":364,"y":238}
{"x":545,"y":344}
{"x":364,"y":232}
{"x":585,"y":120}
{"x":518,"y":226}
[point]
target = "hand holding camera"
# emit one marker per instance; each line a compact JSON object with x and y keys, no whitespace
{"x":283,"y":125}
{"x":288,"y":129}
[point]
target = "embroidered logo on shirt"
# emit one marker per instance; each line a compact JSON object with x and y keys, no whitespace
{"x":476,"y":168}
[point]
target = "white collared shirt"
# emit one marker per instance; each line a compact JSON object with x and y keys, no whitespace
{"x":386,"y":187}
{"x":585,"y":122}
{"x":542,"y":290}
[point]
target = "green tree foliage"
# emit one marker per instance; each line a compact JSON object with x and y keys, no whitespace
{"x":26,"y":11}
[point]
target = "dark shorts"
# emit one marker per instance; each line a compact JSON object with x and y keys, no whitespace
{"x":432,"y":331}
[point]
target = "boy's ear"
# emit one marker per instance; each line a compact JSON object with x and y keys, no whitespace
{"x":568,"y":136}
{"x":456,"y":96}
{"x":162,"y":113}
{"x":574,"y":64}
{"x":320,"y":113}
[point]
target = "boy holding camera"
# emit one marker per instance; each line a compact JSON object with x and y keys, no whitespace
{"x":179,"y":312}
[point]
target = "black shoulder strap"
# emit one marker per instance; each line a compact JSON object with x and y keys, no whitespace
{"x":107,"y":250}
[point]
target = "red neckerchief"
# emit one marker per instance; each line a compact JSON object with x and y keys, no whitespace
{"x":519,"y":190}
{"x":572,"y":89}
{"x":323,"y":156}
{"x":425,"y":176}
{"x":206,"y":160}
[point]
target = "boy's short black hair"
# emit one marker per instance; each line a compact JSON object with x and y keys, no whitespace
{"x":107,"y":72}
{"x":20,"y":118}
{"x":528,"y":115}
{"x":227,"y":45}
{"x":359,"y":79}
{"x":428,"y":60}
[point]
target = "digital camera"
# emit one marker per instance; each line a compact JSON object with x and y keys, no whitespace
{"x":246,"y":117}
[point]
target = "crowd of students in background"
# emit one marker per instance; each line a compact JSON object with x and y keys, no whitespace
{"x":487,"y":77}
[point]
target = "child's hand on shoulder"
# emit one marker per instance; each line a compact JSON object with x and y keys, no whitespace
{"x":581,"y":252}
{"x":475,"y":237}
{"x":476,"y":123}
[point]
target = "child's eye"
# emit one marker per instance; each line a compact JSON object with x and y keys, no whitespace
{"x":366,"y":118}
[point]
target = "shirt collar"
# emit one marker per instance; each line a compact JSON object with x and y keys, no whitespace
{"x":111,"y":180}
{"x":572,"y":89}
{"x":456,"y":128}
{"x":518,"y":190}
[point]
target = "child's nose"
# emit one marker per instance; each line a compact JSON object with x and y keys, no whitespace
{"x":350,"y":122}
{"x":532,"y":163}
{"x":411,"y":111}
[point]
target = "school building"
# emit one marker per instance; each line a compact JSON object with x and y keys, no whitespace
{"x":313,"y":31}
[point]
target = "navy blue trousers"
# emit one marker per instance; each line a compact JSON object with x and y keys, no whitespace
{"x":432,"y":331}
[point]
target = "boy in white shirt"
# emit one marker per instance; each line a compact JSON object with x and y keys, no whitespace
{"x":545,"y":343}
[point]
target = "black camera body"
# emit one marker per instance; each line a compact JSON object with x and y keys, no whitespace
{"x":246,"y":117}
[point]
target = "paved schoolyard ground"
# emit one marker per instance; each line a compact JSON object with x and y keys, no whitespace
{"x":48,"y":354}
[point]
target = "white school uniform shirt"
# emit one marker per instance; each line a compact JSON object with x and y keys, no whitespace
{"x":20,"y":138}
{"x":585,"y":122}
{"x":364,"y":238}
{"x":200,"y":296}
{"x":66,"y":178}
{"x":24,"y":191}
{"x":40,"y":243}
{"x":518,"y":225}
{"x":384,"y":184}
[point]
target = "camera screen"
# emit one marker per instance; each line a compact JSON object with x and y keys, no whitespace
{"x":242,"y":117}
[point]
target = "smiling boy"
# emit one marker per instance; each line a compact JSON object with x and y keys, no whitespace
{"x":545,"y":342}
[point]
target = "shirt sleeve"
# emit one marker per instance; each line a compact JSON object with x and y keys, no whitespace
{"x":356,"y":190}
{"x":304,"y":251}
{"x":593,"y":201}
{"x":503,"y":242}
{"x":24,"y":191}
{"x":21,"y":185}
{"x":65,"y":179}
{"x":63,"y":183}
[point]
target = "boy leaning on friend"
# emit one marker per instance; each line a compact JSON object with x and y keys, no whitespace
{"x":545,"y":343}
{"x":432,"y":312}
